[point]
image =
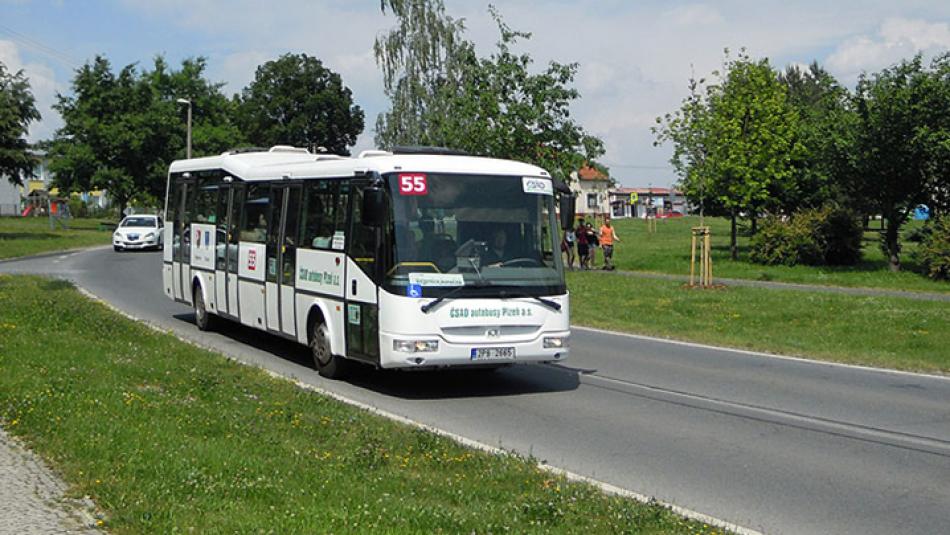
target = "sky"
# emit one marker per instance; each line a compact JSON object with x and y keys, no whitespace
{"x":635,"y":57}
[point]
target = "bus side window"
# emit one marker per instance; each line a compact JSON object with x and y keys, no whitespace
{"x":205,"y":197}
{"x":317,"y":210}
{"x":254,"y":216}
{"x":362,"y":239}
{"x":324,"y":214}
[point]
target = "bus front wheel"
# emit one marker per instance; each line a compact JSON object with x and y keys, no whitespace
{"x":328,"y":364}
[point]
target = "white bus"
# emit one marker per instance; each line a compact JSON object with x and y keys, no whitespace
{"x":404,"y":259}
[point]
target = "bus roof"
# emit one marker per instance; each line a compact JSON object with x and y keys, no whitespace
{"x":276,"y":164}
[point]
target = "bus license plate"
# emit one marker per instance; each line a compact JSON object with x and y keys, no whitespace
{"x":493,"y":353}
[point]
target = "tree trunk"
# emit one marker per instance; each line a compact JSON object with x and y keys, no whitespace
{"x":733,"y":245}
{"x":891,"y":245}
{"x":755,"y":224}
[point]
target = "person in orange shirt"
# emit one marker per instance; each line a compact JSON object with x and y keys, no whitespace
{"x":607,"y":238}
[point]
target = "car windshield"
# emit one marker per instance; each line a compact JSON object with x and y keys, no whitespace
{"x":484,"y":231}
{"x":139,"y":222}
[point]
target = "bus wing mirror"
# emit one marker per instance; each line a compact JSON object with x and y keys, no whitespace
{"x":373,"y":213}
{"x":567,"y":211}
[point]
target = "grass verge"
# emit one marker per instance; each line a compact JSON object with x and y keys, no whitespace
{"x":885,"y":332}
{"x":667,"y":251}
{"x":23,"y":236}
{"x":167,"y":437}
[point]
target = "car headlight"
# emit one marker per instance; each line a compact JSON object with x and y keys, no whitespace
{"x":415,"y":346}
{"x":150,"y":235}
{"x":556,"y":342}
{"x":116,"y":236}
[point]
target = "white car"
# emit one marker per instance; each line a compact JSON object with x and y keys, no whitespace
{"x":139,"y":232}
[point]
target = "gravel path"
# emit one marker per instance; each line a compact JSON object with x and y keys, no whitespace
{"x":774,"y":285}
{"x":32,"y":498}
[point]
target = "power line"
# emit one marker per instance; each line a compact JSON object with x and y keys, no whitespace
{"x":50,"y":52}
{"x":634,"y":166}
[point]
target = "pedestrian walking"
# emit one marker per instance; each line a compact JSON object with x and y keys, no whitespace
{"x":583,"y":248}
{"x":608,"y":235}
{"x":592,"y":243}
{"x":567,"y":247}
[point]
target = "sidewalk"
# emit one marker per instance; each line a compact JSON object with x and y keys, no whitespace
{"x":32,"y":498}
{"x":871,"y":292}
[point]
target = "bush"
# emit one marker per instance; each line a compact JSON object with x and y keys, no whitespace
{"x":825,"y":236}
{"x":934,"y":251}
{"x":842,"y":234}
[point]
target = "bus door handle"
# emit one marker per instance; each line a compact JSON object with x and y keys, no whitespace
{"x":353,"y":287}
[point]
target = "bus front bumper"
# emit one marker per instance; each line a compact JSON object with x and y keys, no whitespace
{"x":417,"y":351}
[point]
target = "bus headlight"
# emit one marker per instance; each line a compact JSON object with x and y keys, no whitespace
{"x":416,"y":346}
{"x":555,"y":342}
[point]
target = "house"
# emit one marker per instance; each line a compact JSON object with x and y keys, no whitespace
{"x":37,"y":189}
{"x":663,"y":200}
{"x":12,"y":196}
{"x":590,"y":187}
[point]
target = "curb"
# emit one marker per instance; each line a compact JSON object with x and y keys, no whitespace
{"x":606,"y":488}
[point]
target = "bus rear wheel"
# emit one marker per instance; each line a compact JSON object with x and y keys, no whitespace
{"x":328,"y":364}
{"x":202,"y":319}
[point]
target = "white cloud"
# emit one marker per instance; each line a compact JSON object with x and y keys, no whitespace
{"x":694,"y":15}
{"x":43,"y":85}
{"x":896,"y":39}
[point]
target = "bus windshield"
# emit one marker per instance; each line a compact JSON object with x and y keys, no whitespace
{"x":480,"y":231}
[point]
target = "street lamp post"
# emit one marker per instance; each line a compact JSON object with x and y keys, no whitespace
{"x":188,"y":141}
{"x":187,"y":153}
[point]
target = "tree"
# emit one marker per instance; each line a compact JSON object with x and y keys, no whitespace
{"x":214,"y":129}
{"x":17,"y":111}
{"x":295,"y":100}
{"x":121,"y":131}
{"x":495,"y":107}
{"x":416,"y":59}
{"x":686,"y":128}
{"x":902,"y":142}
{"x":741,"y":134}
{"x":825,"y":121}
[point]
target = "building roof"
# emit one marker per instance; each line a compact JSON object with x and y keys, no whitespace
{"x":590,"y":173}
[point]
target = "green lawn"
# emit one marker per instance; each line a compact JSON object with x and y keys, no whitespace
{"x":166,"y":437}
{"x":22,"y":236}
{"x":887,"y":332}
{"x":667,"y":251}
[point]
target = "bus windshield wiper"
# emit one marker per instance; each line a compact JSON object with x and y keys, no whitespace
{"x":432,"y":304}
{"x":546,"y":302}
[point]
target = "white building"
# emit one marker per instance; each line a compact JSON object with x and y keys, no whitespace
{"x":591,"y":188}
{"x":665,"y":201}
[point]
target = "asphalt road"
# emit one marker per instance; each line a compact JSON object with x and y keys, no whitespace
{"x":778,"y":445}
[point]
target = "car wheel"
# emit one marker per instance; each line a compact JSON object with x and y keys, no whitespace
{"x":116,"y":248}
{"x":328,"y":364}
{"x":202,"y":319}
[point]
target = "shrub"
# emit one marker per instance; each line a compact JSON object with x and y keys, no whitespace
{"x":824,"y":236}
{"x":934,"y":251}
{"x":842,"y":234}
